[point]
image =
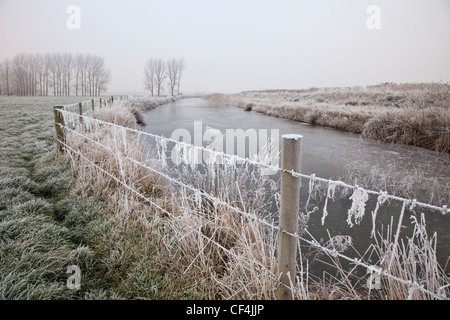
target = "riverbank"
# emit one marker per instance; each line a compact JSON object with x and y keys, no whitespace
{"x":411,"y":114}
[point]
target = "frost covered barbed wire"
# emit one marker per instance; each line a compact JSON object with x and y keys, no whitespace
{"x":359,"y":196}
{"x":234,"y":158}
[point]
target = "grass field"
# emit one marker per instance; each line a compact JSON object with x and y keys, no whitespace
{"x":44,"y":222}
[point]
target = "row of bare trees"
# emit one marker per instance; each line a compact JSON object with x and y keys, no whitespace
{"x":157,"y":71}
{"x":60,"y":74}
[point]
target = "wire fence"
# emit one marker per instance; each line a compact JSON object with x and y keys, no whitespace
{"x":76,"y":122}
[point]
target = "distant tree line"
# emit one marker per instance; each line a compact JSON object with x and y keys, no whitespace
{"x":157,"y":71}
{"x":58,"y":74}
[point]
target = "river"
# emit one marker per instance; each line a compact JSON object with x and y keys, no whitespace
{"x":327,"y":153}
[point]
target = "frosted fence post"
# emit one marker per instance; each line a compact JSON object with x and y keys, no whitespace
{"x":93,"y":105}
{"x":112,"y":99}
{"x":289,"y":209}
{"x":59,"y":121}
{"x":80,"y":105}
{"x":216,"y":183}
{"x":100,"y":106}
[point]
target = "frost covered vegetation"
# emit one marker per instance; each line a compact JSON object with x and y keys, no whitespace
{"x":411,"y":114}
{"x":57,"y":211}
{"x":410,"y":182}
{"x":46,"y":222}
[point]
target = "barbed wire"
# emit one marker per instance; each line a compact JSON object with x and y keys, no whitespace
{"x":444,"y":209}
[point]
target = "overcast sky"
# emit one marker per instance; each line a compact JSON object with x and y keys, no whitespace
{"x":236,"y":45}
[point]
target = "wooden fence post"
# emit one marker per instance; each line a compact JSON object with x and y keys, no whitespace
{"x":112,"y":99}
{"x":100,"y":106}
{"x":59,"y":121}
{"x":289,"y":211}
{"x":93,"y":105}
{"x":80,"y":105}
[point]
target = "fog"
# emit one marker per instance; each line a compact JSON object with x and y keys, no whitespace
{"x":231,"y":46}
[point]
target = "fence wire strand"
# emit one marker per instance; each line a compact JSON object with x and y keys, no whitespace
{"x":444,"y":209}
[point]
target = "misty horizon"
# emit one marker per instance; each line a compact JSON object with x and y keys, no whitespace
{"x":236,"y":46}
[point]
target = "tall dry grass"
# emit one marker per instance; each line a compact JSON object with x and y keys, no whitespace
{"x":413,"y":259}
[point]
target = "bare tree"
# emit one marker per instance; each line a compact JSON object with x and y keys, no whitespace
{"x":149,"y":75}
{"x":103,"y":78}
{"x":181,"y":66}
{"x":39,"y":67}
{"x":2,"y":80}
{"x":47,"y":68}
{"x":78,"y":69}
{"x":56,"y":67}
{"x":18,"y":73}
{"x":84,"y":68}
{"x":172,"y":74}
{"x":5,"y":71}
{"x":35,"y":63}
{"x":67,"y":61}
{"x":87,"y":70}
{"x":32,"y":71}
{"x":160,"y":74}
{"x":100,"y":75}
